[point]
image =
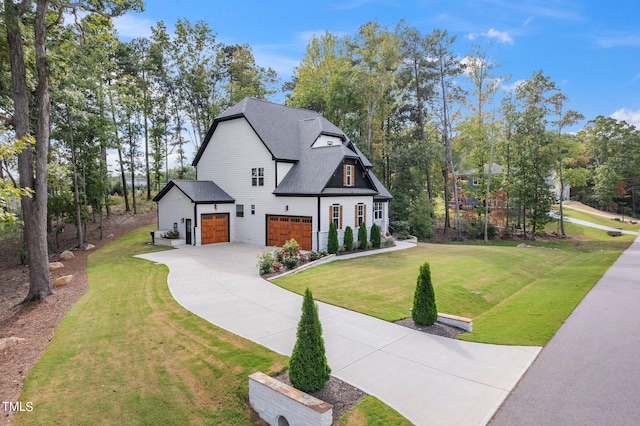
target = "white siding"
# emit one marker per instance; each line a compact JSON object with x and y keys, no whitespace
{"x":282,"y":170}
{"x":348,"y":217}
{"x":325,"y":140}
{"x":173,"y":208}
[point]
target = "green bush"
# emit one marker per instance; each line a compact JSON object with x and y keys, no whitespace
{"x":400,"y":229}
{"x":315,"y":255}
{"x":290,"y":262}
{"x":424,"y":310}
{"x":308,"y":368}
{"x":375,"y":236}
{"x":265,"y":263}
{"x":333,"y":246}
{"x":363,"y":243}
{"x":475,"y":230}
{"x":291,"y":248}
{"x":348,"y":239}
{"x":172,"y":235}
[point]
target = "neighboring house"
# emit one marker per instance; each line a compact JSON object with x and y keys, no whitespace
{"x":267,"y":173}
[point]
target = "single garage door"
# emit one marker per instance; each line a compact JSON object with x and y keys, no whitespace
{"x":215,"y":228}
{"x":283,"y":228}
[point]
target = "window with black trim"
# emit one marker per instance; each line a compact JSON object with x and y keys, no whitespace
{"x":360,"y":214}
{"x":336,"y":217}
{"x":348,"y":175}
{"x":257,"y":176}
{"x":253,"y":209}
{"x":377,"y":210}
{"x":239,"y":210}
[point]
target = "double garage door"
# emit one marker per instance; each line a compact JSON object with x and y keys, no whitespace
{"x":283,"y":228}
{"x":214,"y":228}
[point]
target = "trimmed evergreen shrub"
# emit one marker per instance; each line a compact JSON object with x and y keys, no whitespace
{"x":333,"y":246}
{"x":424,"y":300}
{"x":363,"y":243}
{"x":348,"y":239}
{"x":375,"y":236}
{"x":290,"y":262}
{"x":308,"y":368}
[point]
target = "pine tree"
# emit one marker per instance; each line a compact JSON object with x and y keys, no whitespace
{"x":363,"y":243}
{"x":308,"y":368}
{"x":424,"y":301}
{"x":375,"y":236}
{"x":348,"y":239}
{"x":333,"y":246}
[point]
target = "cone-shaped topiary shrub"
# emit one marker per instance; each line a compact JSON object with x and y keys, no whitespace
{"x":308,"y":368}
{"x":375,"y":236}
{"x":348,"y":239}
{"x":333,"y":246}
{"x":424,"y":300}
{"x":363,"y":243}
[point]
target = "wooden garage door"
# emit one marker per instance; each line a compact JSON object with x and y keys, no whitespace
{"x":215,"y":228}
{"x":283,"y":228}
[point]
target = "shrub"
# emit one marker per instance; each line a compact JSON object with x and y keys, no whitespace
{"x":315,"y":255}
{"x":277,"y":267}
{"x":265,"y":263}
{"x":400,"y":229}
{"x":375,"y":236}
{"x":291,"y":248}
{"x":277,"y":255}
{"x":348,"y":239}
{"x":475,"y":230}
{"x":308,"y":368}
{"x":363,"y":243}
{"x":333,"y":246}
{"x":290,"y":262}
{"x":424,"y":300}
{"x":172,"y":235}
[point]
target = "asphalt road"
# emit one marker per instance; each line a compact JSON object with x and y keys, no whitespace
{"x":589,"y":373}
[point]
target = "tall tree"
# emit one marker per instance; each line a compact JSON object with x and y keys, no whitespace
{"x":448,"y":95}
{"x":32,"y":164}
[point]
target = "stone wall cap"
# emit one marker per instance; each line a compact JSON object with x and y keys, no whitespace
{"x":289,"y":391}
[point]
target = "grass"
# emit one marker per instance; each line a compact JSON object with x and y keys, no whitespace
{"x":599,"y":220}
{"x":127,"y":353}
{"x":516,"y":296}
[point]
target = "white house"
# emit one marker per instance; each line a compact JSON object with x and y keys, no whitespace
{"x":267,"y":173}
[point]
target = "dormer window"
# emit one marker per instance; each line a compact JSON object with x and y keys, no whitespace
{"x":348,"y":175}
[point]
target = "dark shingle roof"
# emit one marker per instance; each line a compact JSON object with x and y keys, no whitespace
{"x":198,"y":191}
{"x":288,"y":133}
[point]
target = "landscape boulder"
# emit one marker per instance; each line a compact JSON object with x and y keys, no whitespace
{"x":64,"y":280}
{"x":10,"y":341}
{"x":65,"y":255}
{"x":55,"y":265}
{"x":89,"y":247}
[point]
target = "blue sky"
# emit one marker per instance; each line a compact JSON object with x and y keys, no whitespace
{"x":591,"y":49}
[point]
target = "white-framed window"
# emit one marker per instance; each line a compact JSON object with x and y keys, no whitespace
{"x":257,"y":176}
{"x":336,"y":215}
{"x":378,"y":210}
{"x":361,"y":214}
{"x":348,"y":175}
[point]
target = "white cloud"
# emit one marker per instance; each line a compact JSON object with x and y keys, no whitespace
{"x":509,"y":88}
{"x":631,"y":117}
{"x":131,"y":26}
{"x":619,"y":41}
{"x":500,"y":36}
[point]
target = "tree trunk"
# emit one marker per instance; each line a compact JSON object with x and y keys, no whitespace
{"x":33,"y":171}
{"x":76,"y":189}
{"x":487,"y":194}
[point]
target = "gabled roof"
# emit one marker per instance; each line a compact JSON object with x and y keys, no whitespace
{"x":198,"y":191}
{"x":284,"y":130}
{"x":289,"y":133}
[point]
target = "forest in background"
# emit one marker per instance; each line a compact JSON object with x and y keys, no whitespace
{"x":441,"y":128}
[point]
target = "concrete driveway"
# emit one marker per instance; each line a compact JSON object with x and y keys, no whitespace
{"x":428,"y":379}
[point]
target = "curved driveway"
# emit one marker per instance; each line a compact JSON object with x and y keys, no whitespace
{"x":428,"y":379}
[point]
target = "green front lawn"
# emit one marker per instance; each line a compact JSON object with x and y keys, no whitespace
{"x":516,"y":296}
{"x":127,"y":353}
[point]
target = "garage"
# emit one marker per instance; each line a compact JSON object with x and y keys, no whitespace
{"x":283,"y":228}
{"x":215,"y":228}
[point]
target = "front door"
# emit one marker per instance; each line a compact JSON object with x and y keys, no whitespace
{"x":187,"y":224}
